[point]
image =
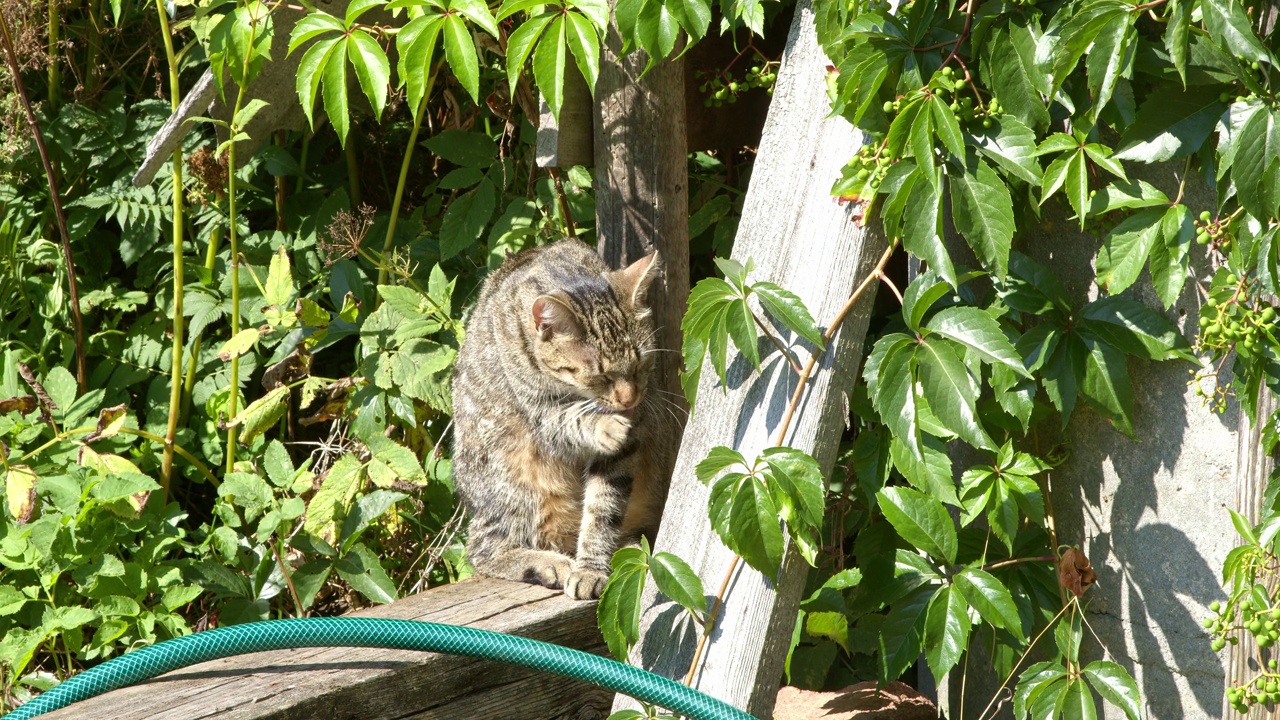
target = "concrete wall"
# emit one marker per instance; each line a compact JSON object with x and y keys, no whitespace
{"x":1150,"y":515}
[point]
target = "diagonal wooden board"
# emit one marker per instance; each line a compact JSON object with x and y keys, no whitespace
{"x":802,"y":239}
{"x":372,"y":684}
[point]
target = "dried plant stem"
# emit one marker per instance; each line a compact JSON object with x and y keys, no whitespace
{"x":54,"y":195}
{"x":179,"y":282}
{"x":876,"y":274}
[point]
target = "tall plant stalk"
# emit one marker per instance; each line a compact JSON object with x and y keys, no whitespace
{"x":55,"y":69}
{"x":232,"y":403}
{"x":54,"y":195}
{"x":175,"y":383}
{"x":383,"y":266}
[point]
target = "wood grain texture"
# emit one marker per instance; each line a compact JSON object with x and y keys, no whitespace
{"x":1253,"y":469}
{"x":373,"y":684}
{"x":801,"y":238}
{"x":566,"y":141}
{"x":642,"y":182}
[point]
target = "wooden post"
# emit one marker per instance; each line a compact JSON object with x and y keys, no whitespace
{"x":1253,"y":469}
{"x":641,"y":186}
{"x":566,"y":141}
{"x":801,"y":238}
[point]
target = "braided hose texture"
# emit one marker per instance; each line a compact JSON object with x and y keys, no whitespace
{"x":224,"y":642}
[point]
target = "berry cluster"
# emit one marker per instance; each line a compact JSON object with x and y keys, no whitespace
{"x":1213,"y":231}
{"x":1262,"y":623}
{"x":723,"y":87}
{"x":873,"y":166}
{"x":1239,"y":320}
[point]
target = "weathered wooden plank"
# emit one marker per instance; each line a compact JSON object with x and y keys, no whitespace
{"x":802,"y":239}
{"x":371,"y":684}
{"x":566,"y":141}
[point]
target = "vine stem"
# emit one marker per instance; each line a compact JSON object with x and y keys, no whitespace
{"x":562,"y":200}
{"x":404,"y":176}
{"x":179,"y":282}
{"x":777,"y":343}
{"x":1018,"y":561}
{"x":1025,"y":653}
{"x":875,"y":274}
{"x":54,"y":195}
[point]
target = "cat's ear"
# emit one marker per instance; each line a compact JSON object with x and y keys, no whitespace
{"x":553,"y":316}
{"x":632,"y":282}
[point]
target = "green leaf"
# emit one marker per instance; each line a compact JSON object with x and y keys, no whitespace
{"x":657,"y":30}
{"x":948,"y":129}
{"x":1127,"y":195}
{"x":922,"y":232}
{"x":983,"y":213}
{"x":310,"y":71}
{"x":1134,"y":328}
{"x":330,"y":501}
{"x":1227,"y":23}
{"x":902,"y":633}
{"x":930,"y":473}
{"x":742,"y":328}
{"x":522,"y":42}
{"x":392,"y":462}
{"x":980,"y":334}
{"x":1171,"y":123}
{"x":465,"y":220}
{"x":416,"y":43}
{"x":358,"y":8}
{"x":618,"y":613}
{"x":239,"y":344}
{"x":1012,"y":146}
{"x":11,"y":600}
{"x":718,"y":460}
{"x":785,"y":307}
{"x":1113,"y":683}
{"x":1126,"y":248}
{"x":460,"y":51}
{"x":1076,"y":703}
{"x":464,"y":148}
{"x":261,"y":414}
{"x":477,"y":11}
{"x":675,"y":579}
{"x":247,"y":491}
{"x":549,"y":62}
{"x":367,"y":509}
{"x":1009,"y":61}
{"x":920,"y":520}
{"x":991,"y":599}
{"x":373,"y":70}
{"x":797,"y":481}
{"x":279,"y":289}
{"x":585,"y":44}
{"x":313,"y":25}
{"x":1256,"y":164}
{"x":1036,"y":681}
{"x":1112,"y":52}
{"x":946,"y":630}
{"x":334,"y":79}
{"x":310,"y":578}
{"x":950,"y":391}
{"x":1106,"y":384}
{"x":890,"y":375}
{"x":756,"y":533}
{"x":363,"y":572}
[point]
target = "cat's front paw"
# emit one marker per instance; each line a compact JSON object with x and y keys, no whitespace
{"x":550,"y":570}
{"x":585,"y":584}
{"x":611,"y":432}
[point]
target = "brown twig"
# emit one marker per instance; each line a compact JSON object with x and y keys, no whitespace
{"x":59,"y":213}
{"x":563,"y":200}
{"x":805,"y":374}
{"x":288,"y":579}
{"x":1018,"y":561}
{"x":776,"y":343}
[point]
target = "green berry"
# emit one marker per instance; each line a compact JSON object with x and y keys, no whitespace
{"x":947,"y":72}
{"x":960,"y":84}
{"x":1205,"y":216}
{"x":1208,"y":623}
{"x":889,"y":106}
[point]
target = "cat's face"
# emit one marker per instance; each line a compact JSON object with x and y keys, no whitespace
{"x":597,"y":340}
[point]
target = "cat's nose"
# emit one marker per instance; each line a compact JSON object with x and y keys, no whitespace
{"x":625,"y":394}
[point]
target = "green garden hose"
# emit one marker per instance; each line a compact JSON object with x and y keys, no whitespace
{"x":181,"y":652}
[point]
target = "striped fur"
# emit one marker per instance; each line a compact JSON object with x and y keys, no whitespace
{"x":558,"y":452}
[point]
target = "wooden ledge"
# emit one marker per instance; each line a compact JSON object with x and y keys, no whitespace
{"x":372,"y":684}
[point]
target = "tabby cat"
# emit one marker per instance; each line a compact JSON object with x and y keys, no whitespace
{"x":557,"y":453}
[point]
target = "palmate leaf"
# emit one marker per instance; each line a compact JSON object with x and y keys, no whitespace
{"x":753,"y":530}
{"x":521,"y":43}
{"x":657,"y":29}
{"x":890,"y":376}
{"x":922,"y":230}
{"x":1134,"y":328}
{"x":1227,"y":23}
{"x":930,"y":473}
{"x":1011,"y":145}
{"x":334,"y":91}
{"x":983,"y":213}
{"x":785,"y":307}
{"x":1114,"y":683}
{"x":1106,"y":384}
{"x":1256,"y":163}
{"x":585,"y":44}
{"x":1009,"y":64}
{"x":1112,"y":52}
{"x":549,"y":62}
